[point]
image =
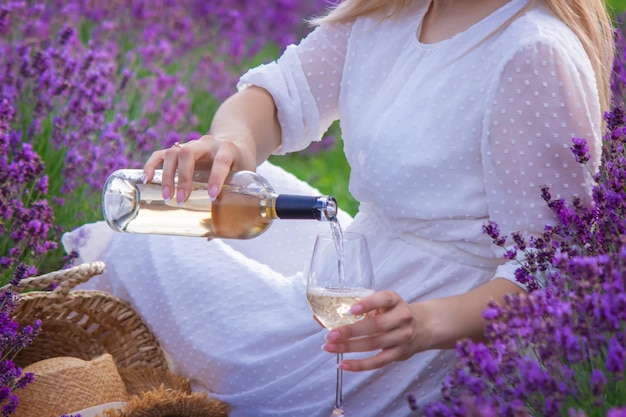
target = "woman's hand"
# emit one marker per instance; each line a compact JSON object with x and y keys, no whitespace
{"x":399,"y":330}
{"x":220,"y":156}
{"x":391,"y":326}
{"x":244,"y":132}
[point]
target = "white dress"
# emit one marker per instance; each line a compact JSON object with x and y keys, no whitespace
{"x":440,"y":138}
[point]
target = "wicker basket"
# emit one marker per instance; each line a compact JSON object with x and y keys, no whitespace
{"x":84,"y":323}
{"x":94,"y":325}
{"x":91,"y":326}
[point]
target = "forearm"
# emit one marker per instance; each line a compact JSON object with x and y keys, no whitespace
{"x":249,"y":119}
{"x":453,"y":318}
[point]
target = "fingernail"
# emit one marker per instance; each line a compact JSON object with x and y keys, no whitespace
{"x":333,"y":335}
{"x":344,"y":366}
{"x":356,"y":309}
{"x":167,"y":193}
{"x":144,"y":178}
{"x":213,"y":192}
{"x":329,"y":347}
{"x":180,"y":197}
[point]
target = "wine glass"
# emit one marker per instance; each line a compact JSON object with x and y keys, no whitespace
{"x":340,"y":274}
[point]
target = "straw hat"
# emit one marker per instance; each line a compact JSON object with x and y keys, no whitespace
{"x":97,"y":388}
{"x":65,"y":383}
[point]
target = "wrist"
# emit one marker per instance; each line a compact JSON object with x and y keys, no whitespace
{"x":436,"y":332}
{"x":450,"y":319}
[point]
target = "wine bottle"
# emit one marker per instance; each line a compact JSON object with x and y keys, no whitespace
{"x":244,"y":208}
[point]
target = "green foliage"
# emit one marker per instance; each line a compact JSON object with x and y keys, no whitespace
{"x":619,"y":6}
{"x":326,"y":170}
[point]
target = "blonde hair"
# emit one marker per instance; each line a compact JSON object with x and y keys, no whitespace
{"x":588,"y":19}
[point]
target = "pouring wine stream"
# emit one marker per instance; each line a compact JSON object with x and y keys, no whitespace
{"x":337,"y":233}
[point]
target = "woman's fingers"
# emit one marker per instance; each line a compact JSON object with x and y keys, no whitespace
{"x":393,"y":346}
{"x":385,"y":299}
{"x":218,"y":156}
{"x":192,"y":156}
{"x":398,"y":336}
{"x":153,"y":163}
{"x":389,"y":327}
{"x":375,"y":321}
{"x":224,"y":161}
{"x":170,"y":164}
{"x":382,"y":358}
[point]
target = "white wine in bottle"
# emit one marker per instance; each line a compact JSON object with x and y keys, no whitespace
{"x":245,"y":207}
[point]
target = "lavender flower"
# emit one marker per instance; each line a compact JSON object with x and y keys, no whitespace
{"x":560,"y":349}
{"x":580,"y":150}
{"x":114,"y":81}
{"x":90,"y":87}
{"x":12,"y":340}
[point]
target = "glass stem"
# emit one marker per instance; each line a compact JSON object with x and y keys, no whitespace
{"x":338,"y":390}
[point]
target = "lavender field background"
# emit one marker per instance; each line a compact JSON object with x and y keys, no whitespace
{"x":89,"y":86}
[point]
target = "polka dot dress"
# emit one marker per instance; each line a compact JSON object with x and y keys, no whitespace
{"x":440,"y":138}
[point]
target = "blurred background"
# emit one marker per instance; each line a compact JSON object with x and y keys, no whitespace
{"x":87,"y":87}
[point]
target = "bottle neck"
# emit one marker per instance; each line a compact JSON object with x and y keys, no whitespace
{"x":323,"y":208}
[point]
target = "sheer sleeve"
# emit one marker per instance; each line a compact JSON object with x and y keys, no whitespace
{"x":544,"y":98}
{"x":304,"y":83}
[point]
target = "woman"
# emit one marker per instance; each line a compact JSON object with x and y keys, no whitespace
{"x":452,"y":113}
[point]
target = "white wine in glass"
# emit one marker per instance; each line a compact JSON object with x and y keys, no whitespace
{"x":340,"y":274}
